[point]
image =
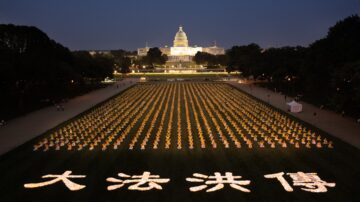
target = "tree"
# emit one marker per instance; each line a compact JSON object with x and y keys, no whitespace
{"x":93,"y":67}
{"x":326,"y":59}
{"x":30,"y":65}
{"x":33,"y":55}
{"x":244,"y":58}
{"x":222,"y":60}
{"x":125,"y":64}
{"x":327,"y":72}
{"x":210,"y":60}
{"x":203,"y":58}
{"x":279,"y":63}
{"x":155,"y":57}
{"x":122,"y":60}
{"x":346,"y":83}
{"x":34,"y":67}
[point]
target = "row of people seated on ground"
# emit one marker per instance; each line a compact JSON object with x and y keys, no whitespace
{"x":211,"y":113}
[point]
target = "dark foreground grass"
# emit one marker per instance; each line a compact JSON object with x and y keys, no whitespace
{"x":340,"y":165}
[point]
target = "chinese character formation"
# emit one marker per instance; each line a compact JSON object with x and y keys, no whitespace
{"x":218,"y":181}
{"x":57,"y":178}
{"x":142,"y":182}
{"x":311,"y":181}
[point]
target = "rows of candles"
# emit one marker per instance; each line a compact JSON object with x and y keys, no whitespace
{"x":181,"y":115}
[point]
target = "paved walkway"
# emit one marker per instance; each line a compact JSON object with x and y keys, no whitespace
{"x":344,"y":128}
{"x":25,"y":128}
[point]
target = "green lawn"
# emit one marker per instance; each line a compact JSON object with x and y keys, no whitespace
{"x":340,"y":164}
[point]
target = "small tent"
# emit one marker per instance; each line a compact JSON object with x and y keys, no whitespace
{"x":294,"y":106}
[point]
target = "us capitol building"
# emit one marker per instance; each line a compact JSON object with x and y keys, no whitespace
{"x":181,"y":52}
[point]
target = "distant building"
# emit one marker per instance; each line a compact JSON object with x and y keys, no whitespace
{"x":181,"y":51}
{"x":99,"y":52}
{"x":143,"y":51}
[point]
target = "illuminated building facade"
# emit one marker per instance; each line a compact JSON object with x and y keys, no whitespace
{"x":181,"y":51}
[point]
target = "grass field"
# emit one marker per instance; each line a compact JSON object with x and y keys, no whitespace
{"x":176,"y":129}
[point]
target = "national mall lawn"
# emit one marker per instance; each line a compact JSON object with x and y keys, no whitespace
{"x":176,"y":129}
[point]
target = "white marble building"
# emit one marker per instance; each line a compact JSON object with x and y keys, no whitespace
{"x":181,"y":51}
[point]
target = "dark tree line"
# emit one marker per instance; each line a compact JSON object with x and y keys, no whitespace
{"x":209,"y":60}
{"x":35,"y":70}
{"x":122,"y":60}
{"x":153,"y":57}
{"x":326,"y":73}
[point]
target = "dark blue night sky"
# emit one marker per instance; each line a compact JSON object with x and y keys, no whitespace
{"x":128,"y":24}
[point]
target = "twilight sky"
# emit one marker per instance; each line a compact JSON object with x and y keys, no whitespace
{"x":128,"y":24}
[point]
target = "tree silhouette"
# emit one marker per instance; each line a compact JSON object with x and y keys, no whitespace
{"x":155,"y":57}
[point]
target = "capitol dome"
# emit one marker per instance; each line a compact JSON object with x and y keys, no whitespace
{"x":181,"y":39}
